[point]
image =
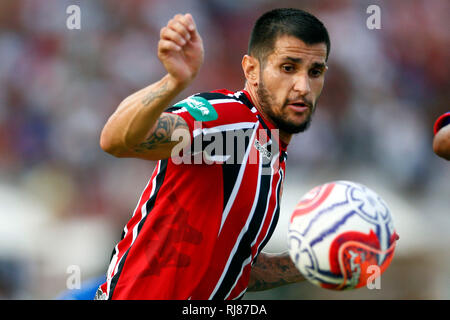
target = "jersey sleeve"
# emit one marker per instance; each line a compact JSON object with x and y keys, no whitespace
{"x":205,"y":109}
{"x":442,"y":121}
{"x":210,"y":114}
{"x":196,"y":110}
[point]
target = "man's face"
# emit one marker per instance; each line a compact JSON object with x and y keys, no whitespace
{"x":291,"y":80}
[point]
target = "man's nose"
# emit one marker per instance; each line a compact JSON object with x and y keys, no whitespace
{"x":302,"y":84}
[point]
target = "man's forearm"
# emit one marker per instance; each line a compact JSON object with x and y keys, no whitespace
{"x":272,"y":270}
{"x":135,"y":117}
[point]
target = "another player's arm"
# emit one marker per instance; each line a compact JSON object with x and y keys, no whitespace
{"x":272,"y":270}
{"x":139,"y":128}
{"x":441,"y":140}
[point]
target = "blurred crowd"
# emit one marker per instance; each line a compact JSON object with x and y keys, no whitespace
{"x":383,"y":91}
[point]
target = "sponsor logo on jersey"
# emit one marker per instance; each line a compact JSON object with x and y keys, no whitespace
{"x":199,"y":108}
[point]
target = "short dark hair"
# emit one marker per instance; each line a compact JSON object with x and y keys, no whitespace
{"x":285,"y":21}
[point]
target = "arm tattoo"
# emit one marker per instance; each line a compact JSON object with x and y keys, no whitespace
{"x":162,"y":132}
{"x":273,"y":270}
{"x":154,"y":95}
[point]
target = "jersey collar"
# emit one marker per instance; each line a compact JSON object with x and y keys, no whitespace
{"x":266,"y":123}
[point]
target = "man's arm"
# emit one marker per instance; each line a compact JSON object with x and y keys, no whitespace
{"x":441,"y":140}
{"x":272,"y":270}
{"x":138,"y":128}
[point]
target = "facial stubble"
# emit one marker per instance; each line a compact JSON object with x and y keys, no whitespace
{"x":281,"y":121}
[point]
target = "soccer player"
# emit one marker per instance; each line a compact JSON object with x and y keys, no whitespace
{"x":441,"y":140}
{"x":208,"y":210}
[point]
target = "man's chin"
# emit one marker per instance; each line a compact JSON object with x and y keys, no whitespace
{"x":293,"y":128}
{"x":300,"y":128}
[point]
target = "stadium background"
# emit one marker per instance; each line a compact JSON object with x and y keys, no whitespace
{"x":64,"y":202}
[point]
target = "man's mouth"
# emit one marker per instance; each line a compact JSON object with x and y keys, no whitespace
{"x":298,"y":106}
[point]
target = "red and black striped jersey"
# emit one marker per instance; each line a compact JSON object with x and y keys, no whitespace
{"x":200,"y":225}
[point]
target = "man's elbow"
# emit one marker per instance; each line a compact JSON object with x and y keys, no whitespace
{"x":108,"y":145}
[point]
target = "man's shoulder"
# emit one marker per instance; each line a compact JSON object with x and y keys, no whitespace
{"x":217,"y":107}
{"x":224,"y":98}
{"x":220,"y":100}
{"x":221,"y":94}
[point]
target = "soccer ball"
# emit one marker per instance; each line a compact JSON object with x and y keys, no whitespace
{"x":341,"y":235}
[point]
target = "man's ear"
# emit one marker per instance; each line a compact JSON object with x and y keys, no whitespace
{"x":250,"y":66}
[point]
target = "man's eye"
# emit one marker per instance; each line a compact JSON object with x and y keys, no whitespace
{"x":315,"y":73}
{"x":287,"y":67}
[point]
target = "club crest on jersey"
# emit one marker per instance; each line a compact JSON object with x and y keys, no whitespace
{"x":199,"y":108}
